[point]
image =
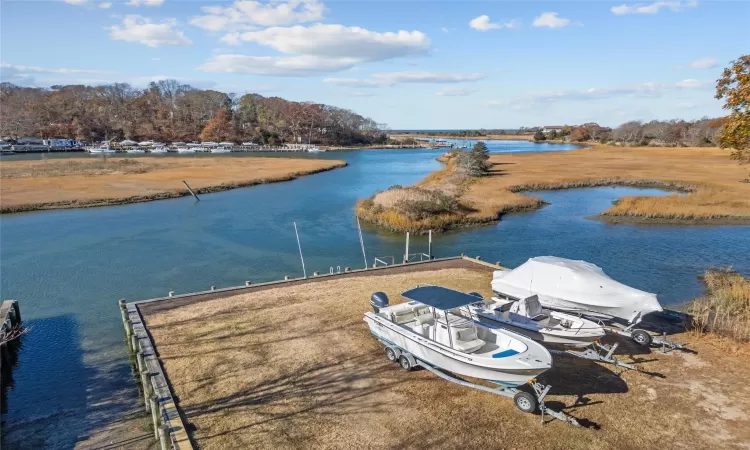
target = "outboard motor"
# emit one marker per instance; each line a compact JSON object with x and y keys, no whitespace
{"x":378,"y":300}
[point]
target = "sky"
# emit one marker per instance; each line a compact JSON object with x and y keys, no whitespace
{"x":409,"y":64}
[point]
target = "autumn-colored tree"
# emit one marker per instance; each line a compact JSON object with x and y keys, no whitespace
{"x":579,"y":134}
{"x":734,"y":88}
{"x":219,"y":128}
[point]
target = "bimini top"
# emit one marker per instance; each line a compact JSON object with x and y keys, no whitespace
{"x":439,"y":297}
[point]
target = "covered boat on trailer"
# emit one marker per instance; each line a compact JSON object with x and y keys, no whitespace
{"x":574,"y":286}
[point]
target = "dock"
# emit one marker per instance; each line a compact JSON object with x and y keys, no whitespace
{"x":291,"y":363}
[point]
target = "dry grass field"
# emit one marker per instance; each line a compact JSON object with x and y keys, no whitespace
{"x":296,"y":367}
{"x":714,"y":188}
{"x":75,"y":183}
{"x":725,"y":309}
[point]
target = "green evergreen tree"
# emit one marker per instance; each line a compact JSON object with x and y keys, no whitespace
{"x":539,"y":136}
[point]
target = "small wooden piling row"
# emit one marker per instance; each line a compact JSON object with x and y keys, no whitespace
{"x":169,"y":429}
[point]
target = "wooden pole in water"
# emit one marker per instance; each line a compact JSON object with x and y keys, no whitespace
{"x":191,"y":191}
{"x":406,"y":254}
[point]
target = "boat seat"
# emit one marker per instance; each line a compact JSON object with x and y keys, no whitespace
{"x":403,"y":316}
{"x":468,"y":346}
{"x":425,"y":318}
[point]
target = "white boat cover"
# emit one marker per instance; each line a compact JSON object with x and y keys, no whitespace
{"x":574,"y":286}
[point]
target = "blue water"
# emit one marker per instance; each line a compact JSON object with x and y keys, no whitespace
{"x":68,"y":268}
{"x":502,"y":146}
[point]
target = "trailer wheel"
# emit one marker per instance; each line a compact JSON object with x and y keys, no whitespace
{"x":641,"y":337}
{"x":525,"y":402}
{"x":390,"y":353}
{"x":404,"y":362}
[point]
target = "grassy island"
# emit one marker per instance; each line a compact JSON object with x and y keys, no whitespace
{"x":78,"y":183}
{"x":710,"y":188}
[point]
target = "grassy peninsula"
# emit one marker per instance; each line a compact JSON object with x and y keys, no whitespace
{"x":79,"y":183}
{"x":711,"y":188}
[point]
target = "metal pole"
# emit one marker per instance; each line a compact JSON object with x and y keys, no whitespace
{"x":304,"y":273}
{"x":362,"y":242}
{"x":429,"y":245}
{"x":406,"y":255}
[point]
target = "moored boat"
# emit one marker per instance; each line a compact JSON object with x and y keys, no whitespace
{"x":426,"y":328}
{"x":220,"y":150}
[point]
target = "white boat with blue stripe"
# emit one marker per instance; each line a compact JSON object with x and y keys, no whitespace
{"x":428,"y":329}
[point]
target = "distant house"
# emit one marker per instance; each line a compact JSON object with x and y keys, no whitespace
{"x":30,"y":141}
{"x":547,"y":130}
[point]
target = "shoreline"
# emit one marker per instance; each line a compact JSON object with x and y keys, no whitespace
{"x":163,"y":195}
{"x":709,"y":183}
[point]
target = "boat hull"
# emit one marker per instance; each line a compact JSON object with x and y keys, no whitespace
{"x":440,"y":356}
{"x":539,"y":336}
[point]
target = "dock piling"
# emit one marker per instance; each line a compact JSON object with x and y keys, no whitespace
{"x":248,"y":283}
{"x":164,"y":437}
{"x":191,"y":191}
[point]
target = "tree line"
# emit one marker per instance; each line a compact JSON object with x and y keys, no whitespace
{"x":665,"y":133}
{"x":169,"y":111}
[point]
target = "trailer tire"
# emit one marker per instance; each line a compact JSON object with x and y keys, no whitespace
{"x":391,"y":354}
{"x":641,"y":337}
{"x":404,"y":362}
{"x":525,"y":402}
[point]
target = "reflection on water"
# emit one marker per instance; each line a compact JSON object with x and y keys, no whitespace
{"x":68,"y":268}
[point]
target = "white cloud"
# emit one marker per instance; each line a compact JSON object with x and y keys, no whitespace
{"x":89,"y":3}
{"x":317,"y":49}
{"x":136,"y":28}
{"x":653,"y":8}
{"x":393,"y":78}
{"x":446,"y":30}
{"x":338,"y":41}
{"x":482,"y":23}
{"x":247,"y":14}
{"x":702,"y":63}
{"x":643,"y":90}
{"x":105,"y":5}
{"x":303,"y":65}
{"x":144,"y":2}
{"x":231,"y":39}
{"x":692,"y":84}
{"x":686,"y":105}
{"x":26,"y":75}
{"x":551,"y":20}
{"x":75,"y":2}
{"x":361,"y":94}
{"x":454,"y":92}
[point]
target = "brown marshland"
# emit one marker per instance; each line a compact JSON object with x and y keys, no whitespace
{"x":76,"y":183}
{"x":714,"y":188}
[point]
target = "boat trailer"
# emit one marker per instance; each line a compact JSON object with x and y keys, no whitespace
{"x":642,"y":337}
{"x":597,"y":352}
{"x":524,"y":401}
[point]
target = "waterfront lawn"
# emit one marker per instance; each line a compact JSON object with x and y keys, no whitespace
{"x":296,"y":367}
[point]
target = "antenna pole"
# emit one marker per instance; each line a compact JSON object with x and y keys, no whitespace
{"x":362,"y":242}
{"x":406,"y":255}
{"x":304,"y":273}
{"x":429,"y":245}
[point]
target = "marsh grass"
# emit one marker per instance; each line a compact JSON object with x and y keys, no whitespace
{"x":61,"y":168}
{"x":725,"y":309}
